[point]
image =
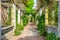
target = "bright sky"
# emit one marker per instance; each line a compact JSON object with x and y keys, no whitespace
{"x":34,"y":4}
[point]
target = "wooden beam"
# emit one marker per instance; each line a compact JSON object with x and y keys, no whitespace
{"x":6,"y":1}
{"x":6,"y":4}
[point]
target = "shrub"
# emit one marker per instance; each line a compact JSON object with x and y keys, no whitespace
{"x":18,"y":29}
{"x":41,"y":25}
{"x":25,"y":20}
{"x":17,"y":32}
{"x":9,"y":17}
{"x":51,"y":36}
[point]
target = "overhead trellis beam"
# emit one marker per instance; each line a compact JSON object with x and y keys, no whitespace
{"x":6,"y":1}
{"x":25,"y":2}
{"x":16,"y":2}
{"x":6,"y":4}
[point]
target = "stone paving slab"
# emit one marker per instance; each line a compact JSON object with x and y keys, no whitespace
{"x":30,"y":31}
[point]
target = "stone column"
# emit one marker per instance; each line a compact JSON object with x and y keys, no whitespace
{"x":53,"y":17}
{"x":40,"y":11}
{"x":59,"y":20}
{"x":13,"y":16}
{"x":46,"y":16}
{"x":18,"y":16}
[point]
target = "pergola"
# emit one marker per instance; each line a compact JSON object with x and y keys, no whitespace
{"x":18,"y":3}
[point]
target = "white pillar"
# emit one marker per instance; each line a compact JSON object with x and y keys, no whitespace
{"x":40,"y":11}
{"x":13,"y":16}
{"x":59,"y":20}
{"x":46,"y":16}
{"x":18,"y":16}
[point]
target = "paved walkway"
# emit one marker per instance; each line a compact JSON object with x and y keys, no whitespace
{"x":30,"y":30}
{"x":29,"y":33}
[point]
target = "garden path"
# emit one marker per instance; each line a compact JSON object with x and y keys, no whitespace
{"x":29,"y":33}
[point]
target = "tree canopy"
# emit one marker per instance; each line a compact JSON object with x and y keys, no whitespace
{"x":29,"y":6}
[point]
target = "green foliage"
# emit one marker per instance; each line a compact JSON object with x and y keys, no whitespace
{"x":41,"y":25}
{"x":34,"y":16}
{"x":9,"y":17}
{"x":47,"y":2}
{"x":17,"y":32}
{"x":56,"y":14}
{"x":19,"y":27}
{"x":58,"y":38}
{"x":25,"y":20}
{"x":16,"y":17}
{"x":51,"y":36}
{"x":29,"y":11}
{"x":50,"y":19}
{"x":29,"y":6}
{"x":55,"y":18}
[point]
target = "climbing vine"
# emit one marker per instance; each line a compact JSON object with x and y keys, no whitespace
{"x":19,"y":27}
{"x":9,"y":16}
{"x":29,"y":10}
{"x":56,"y":14}
{"x":41,"y":25}
{"x":29,"y":6}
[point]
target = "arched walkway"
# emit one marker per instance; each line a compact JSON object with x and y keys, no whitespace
{"x":29,"y":33}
